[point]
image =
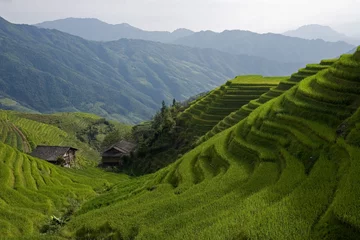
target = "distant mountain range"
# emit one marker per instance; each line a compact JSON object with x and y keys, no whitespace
{"x":96,"y":30}
{"x":351,"y":29}
{"x":352,"y":51}
{"x":270,"y":46}
{"x":49,"y":71}
{"x":326,"y":33}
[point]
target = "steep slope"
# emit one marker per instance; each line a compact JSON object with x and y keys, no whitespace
{"x":288,"y":171}
{"x":49,"y":71}
{"x":206,"y":112}
{"x":315,"y":31}
{"x":83,"y":131}
{"x":286,"y":84}
{"x":96,"y":30}
{"x":33,"y":190}
{"x":269,"y":46}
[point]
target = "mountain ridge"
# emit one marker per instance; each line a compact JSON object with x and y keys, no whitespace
{"x":316,"y":31}
{"x":85,"y":28}
{"x":50,"y":71}
{"x":268,"y":45}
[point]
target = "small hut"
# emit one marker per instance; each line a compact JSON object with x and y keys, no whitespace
{"x":114,"y":156}
{"x":64,"y":156}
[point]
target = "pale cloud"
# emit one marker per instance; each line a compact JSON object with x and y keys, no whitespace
{"x":218,"y":15}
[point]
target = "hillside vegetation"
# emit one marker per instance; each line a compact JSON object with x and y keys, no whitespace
{"x":204,"y":113}
{"x":284,"y":85}
{"x":33,"y":190}
{"x":175,"y":129}
{"x":49,"y":71}
{"x":289,"y":170}
{"x":86,"y":132}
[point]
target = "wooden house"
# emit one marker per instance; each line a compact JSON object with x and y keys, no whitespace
{"x":114,"y":156}
{"x":64,"y":156}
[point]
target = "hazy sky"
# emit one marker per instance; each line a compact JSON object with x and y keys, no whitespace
{"x":217,"y":15}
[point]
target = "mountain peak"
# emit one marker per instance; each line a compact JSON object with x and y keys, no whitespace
{"x":317,"y":31}
{"x":182,"y":30}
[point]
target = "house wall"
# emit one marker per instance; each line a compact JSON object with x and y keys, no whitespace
{"x":112,"y":161}
{"x":69,"y":158}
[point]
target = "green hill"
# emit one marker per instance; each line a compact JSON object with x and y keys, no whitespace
{"x":33,"y":190}
{"x":49,"y":71}
{"x":204,"y":113}
{"x":83,"y":131}
{"x":284,"y":85}
{"x":288,"y":171}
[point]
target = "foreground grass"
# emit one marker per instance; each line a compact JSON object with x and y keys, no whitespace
{"x":33,"y":190}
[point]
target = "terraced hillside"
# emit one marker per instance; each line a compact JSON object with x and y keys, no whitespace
{"x":25,"y":131}
{"x":284,"y":85}
{"x":88,"y":128}
{"x":289,"y":170}
{"x":32,"y":190}
{"x":204,"y":113}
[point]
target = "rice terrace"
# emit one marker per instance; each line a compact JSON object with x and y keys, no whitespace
{"x":87,"y":150}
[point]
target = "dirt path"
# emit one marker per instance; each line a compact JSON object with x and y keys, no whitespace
{"x":25,"y":142}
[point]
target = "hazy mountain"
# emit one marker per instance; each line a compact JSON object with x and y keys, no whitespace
{"x":352,"y":51}
{"x":326,"y":33}
{"x":50,"y":71}
{"x":94,"y":29}
{"x":271,"y":46}
{"x":351,"y":29}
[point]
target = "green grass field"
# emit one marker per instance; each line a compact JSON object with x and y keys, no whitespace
{"x":289,"y":170}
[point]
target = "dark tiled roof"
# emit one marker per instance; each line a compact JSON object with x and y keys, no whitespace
{"x":50,"y":153}
{"x":122,"y":147}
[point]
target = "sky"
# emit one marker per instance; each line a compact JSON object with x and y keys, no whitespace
{"x":217,"y":15}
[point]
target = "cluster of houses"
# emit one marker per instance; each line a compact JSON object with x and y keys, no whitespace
{"x":66,"y":156}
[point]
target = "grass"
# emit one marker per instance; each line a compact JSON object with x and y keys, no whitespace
{"x":33,"y":190}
